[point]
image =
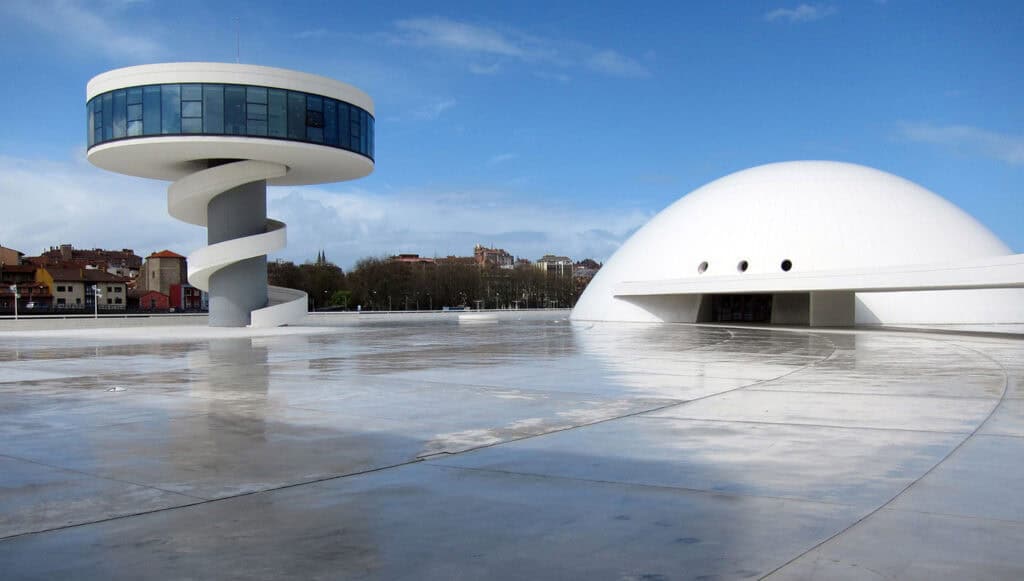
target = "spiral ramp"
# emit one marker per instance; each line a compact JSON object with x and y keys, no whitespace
{"x":188,"y":199}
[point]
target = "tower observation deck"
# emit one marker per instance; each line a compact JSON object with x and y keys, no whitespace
{"x":221,"y":132}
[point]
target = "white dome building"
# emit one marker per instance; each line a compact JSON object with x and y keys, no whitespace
{"x":810,"y":242}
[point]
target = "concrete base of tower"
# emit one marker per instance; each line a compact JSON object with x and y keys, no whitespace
{"x":240,"y":288}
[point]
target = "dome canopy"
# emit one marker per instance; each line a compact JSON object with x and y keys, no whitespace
{"x":801,"y":216}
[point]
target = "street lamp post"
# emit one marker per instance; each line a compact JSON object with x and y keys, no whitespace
{"x":96,"y":301}
{"x":14,"y":291}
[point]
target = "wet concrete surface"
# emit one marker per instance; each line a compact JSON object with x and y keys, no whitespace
{"x":527,"y":448}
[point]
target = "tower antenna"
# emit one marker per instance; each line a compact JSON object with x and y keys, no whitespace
{"x":238,"y":43}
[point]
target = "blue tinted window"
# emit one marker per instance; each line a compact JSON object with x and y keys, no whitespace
{"x":256,"y":111}
{"x":257,"y":121}
{"x":277,"y":113}
{"x":234,"y":110}
{"x":256,"y":95}
{"x":191,"y":92}
{"x":331,"y":121}
{"x":191,"y":108}
{"x":108,"y":112}
{"x":170,"y":109}
{"x":353,"y":129}
{"x":315,"y":118}
{"x":191,"y":125}
{"x":296,"y":115}
{"x":97,"y":119}
{"x":344,"y":128}
{"x":151,"y":110}
{"x":363,"y":132}
{"x":370,"y":132}
{"x":213,"y":109}
{"x":120,"y":111}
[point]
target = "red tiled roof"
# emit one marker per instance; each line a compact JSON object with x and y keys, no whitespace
{"x":25,"y":268}
{"x":165,"y":254}
{"x":101,"y":276}
{"x":66,"y":274}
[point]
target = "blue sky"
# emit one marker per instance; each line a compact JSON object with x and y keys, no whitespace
{"x":535,"y":126}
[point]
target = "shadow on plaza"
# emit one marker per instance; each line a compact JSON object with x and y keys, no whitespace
{"x":418,"y":520}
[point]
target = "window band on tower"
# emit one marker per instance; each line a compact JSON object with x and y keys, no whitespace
{"x":226,"y":109}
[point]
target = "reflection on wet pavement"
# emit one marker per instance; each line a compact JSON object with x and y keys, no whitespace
{"x":529,"y":448}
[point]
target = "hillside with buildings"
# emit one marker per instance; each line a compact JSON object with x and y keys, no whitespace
{"x":65,"y":279}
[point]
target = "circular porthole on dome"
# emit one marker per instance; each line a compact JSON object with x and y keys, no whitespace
{"x":702,"y":267}
{"x":786,"y":265}
{"x":743,"y":266}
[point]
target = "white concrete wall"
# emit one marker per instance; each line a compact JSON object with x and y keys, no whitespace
{"x":822,"y":216}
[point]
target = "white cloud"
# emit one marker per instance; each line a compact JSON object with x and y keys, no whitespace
{"x":509,"y":44}
{"x":500,"y":159}
{"x":433,"y":111}
{"x":355,"y":223}
{"x":560,"y":77}
{"x":311,"y":33}
{"x":444,"y":33}
{"x":72,"y":202}
{"x":479,"y":69}
{"x":1000,"y":146}
{"x":802,"y":13}
{"x":49,"y":203}
{"x":613,"y":63}
{"x":87,"y":26}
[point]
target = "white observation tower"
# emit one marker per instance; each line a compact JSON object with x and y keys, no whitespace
{"x":221,"y":132}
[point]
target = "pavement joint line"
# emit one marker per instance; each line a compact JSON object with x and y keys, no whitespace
{"x":1009,"y":521}
{"x":305,"y":483}
{"x":759,"y":381}
{"x":99,"y":477}
{"x":489,"y":388}
{"x":986,"y":435}
{"x":686,"y":489}
{"x":642,"y":412}
{"x":807,"y":425}
{"x":904,"y":490}
{"x":868,"y":394}
{"x":213,"y":500}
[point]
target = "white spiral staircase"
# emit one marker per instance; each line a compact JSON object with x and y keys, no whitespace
{"x":187,"y":200}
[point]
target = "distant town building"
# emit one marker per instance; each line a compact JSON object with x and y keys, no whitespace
{"x":551,"y":264}
{"x":585,"y":269}
{"x":73,"y":288}
{"x":457,"y":261}
{"x":485,"y":256}
{"x":185,"y":297}
{"x":152,"y":300}
{"x":161,"y":270}
{"x":412,"y":259}
{"x":31,"y":294}
{"x":10,"y":256}
{"x":122,"y":262}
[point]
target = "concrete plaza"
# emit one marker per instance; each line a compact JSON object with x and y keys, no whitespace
{"x":523,"y":447}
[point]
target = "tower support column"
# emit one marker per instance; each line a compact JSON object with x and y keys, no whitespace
{"x":240,"y":288}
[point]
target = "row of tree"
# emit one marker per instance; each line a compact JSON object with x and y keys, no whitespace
{"x":382,"y":284}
